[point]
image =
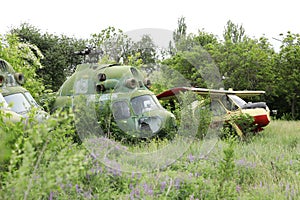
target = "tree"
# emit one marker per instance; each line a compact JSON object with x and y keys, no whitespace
{"x":180,"y":32}
{"x":233,"y":32}
{"x":24,"y":58}
{"x":113,"y":43}
{"x":191,"y":57}
{"x":245,"y":63}
{"x":179,"y":35}
{"x":288,"y":72}
{"x":146,"y":50}
{"x":59,"y":59}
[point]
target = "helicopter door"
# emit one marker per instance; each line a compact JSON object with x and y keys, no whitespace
{"x":120,"y":110}
{"x":122,"y":116}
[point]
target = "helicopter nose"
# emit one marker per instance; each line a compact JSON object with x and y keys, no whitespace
{"x":259,"y":111}
{"x":152,"y":124}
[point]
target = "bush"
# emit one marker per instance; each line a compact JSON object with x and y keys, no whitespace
{"x":43,"y":159}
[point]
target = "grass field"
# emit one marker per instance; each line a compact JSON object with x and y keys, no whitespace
{"x":265,"y":166}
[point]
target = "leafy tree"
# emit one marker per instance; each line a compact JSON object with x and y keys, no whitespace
{"x":179,"y":35}
{"x":245,"y":63}
{"x":233,"y":33}
{"x":146,"y":49}
{"x":24,"y":58}
{"x":191,"y":57}
{"x":288,"y":73}
{"x":59,"y":58}
{"x":113,"y":43}
{"x":205,"y":40}
{"x":180,"y":32}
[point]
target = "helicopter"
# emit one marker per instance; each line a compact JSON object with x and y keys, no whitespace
{"x":227,"y":104}
{"x":123,"y":88}
{"x":16,"y":96}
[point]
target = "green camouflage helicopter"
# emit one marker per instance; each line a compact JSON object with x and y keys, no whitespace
{"x":16,"y":96}
{"x":124,"y":89}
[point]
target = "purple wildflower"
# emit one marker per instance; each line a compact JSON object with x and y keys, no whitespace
{"x":78,"y":190}
{"x":192,"y":197}
{"x":51,"y":195}
{"x":163,"y":185}
{"x":177,"y":183}
{"x":191,"y":158}
{"x":238,"y":188}
{"x":148,"y":190}
{"x":88,"y":195}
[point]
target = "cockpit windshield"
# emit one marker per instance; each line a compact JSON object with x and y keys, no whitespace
{"x":240,"y":102}
{"x":18,"y":102}
{"x":142,"y":104}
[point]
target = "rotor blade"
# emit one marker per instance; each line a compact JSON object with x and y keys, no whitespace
{"x":204,"y":91}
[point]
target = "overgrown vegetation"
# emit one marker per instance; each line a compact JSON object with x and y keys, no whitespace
{"x":45,"y":163}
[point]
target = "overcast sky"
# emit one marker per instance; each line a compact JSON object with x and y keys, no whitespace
{"x":82,"y":18}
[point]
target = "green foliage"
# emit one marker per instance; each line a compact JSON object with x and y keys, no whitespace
{"x":288,"y":73}
{"x":59,"y":59}
{"x":113,"y":43}
{"x":115,"y":46}
{"x":180,"y":32}
{"x":234,"y":33}
{"x":45,"y":163}
{"x":245,"y":122}
{"x":145,"y":50}
{"x":43,"y":159}
{"x":24,"y":58}
{"x":227,"y":173}
{"x":246,"y":65}
{"x":180,"y":63}
{"x":9,"y":134}
{"x":204,"y":117}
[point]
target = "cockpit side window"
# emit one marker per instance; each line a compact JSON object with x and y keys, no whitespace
{"x":228,"y":103}
{"x":120,"y":110}
{"x":238,"y":101}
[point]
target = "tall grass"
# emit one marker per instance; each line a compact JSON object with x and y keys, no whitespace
{"x":265,"y":166}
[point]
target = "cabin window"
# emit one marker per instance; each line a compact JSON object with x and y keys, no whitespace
{"x":228,"y":103}
{"x":120,"y":110}
{"x":143,"y":104}
{"x":240,"y":102}
{"x":19,"y":103}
